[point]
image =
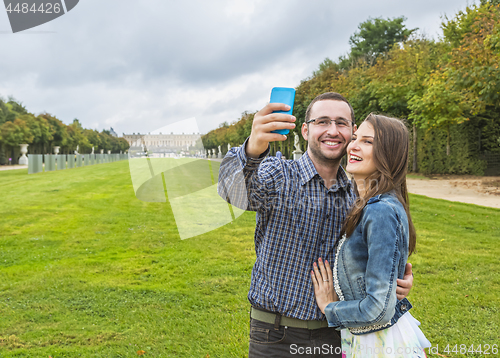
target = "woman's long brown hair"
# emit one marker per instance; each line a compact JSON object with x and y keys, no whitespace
{"x":390,"y":154}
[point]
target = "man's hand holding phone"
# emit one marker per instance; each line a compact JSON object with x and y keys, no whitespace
{"x":269,"y":119}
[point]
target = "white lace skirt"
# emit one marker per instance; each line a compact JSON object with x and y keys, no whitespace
{"x":402,"y":340}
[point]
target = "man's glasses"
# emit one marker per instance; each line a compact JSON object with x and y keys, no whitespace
{"x":327,"y":122}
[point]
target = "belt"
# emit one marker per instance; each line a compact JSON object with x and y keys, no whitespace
{"x":273,"y":318}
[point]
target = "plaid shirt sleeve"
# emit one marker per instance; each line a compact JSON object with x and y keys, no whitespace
{"x":247,"y":183}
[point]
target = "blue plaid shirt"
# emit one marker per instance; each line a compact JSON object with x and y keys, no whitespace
{"x":298,"y":220}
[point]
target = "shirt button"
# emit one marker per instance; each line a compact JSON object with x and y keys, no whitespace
{"x":403,"y":307}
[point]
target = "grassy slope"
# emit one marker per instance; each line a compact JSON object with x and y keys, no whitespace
{"x":88,"y":270}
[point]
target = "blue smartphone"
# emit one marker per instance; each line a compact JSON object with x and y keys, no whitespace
{"x":283,"y":95}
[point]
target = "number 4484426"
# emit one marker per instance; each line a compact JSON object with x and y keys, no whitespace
{"x":24,"y":8}
{"x":481,"y":349}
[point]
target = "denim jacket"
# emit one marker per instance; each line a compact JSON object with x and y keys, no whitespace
{"x":366,"y":267}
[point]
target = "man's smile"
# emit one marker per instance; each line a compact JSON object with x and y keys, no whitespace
{"x":331,"y":143}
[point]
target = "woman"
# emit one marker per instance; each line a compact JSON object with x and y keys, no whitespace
{"x":377,"y":238}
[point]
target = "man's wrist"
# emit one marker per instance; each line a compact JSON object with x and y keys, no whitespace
{"x":257,"y":158}
{"x":250,"y":163}
{"x":255,"y":152}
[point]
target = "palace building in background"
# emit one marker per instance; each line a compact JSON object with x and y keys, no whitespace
{"x":162,"y":143}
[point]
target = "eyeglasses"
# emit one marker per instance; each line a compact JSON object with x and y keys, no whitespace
{"x":327,"y":122}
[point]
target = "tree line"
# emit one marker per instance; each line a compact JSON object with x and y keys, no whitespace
{"x":43,"y":132}
{"x":448,"y":90}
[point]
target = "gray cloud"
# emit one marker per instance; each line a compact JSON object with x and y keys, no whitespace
{"x":140,"y":65}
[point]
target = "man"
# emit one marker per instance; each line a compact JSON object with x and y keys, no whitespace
{"x":300,"y":208}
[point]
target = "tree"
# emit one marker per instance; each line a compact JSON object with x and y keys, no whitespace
{"x":59,"y":133}
{"x":466,"y":84}
{"x":105,"y":140}
{"x":78,"y":138}
{"x":17,"y":106}
{"x":5,"y":114}
{"x":490,"y":2}
{"x":234,"y":133}
{"x":122,"y":145}
{"x":3,"y":160}
{"x":93,"y":138}
{"x":376,"y":37}
{"x":40,"y":129}
{"x":401,"y":76}
{"x":474,"y":65}
{"x":15,"y":133}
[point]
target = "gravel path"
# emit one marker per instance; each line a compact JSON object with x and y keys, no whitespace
{"x":11,"y":167}
{"x":482,"y":191}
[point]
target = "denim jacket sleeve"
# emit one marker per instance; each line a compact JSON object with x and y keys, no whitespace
{"x":381,"y":229}
{"x":247,"y":183}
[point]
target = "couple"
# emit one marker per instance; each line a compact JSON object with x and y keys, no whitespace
{"x":307,"y":211}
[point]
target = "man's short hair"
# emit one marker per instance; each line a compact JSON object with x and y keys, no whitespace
{"x":331,"y":96}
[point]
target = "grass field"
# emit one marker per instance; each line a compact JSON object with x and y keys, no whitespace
{"x":87,"y":270}
{"x":417,"y":176}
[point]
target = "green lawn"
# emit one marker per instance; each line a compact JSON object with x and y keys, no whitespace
{"x":88,"y":270}
{"x":417,"y":176}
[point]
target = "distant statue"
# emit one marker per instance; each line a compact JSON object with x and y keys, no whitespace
{"x":296,"y":143}
{"x":77,"y":148}
{"x":220,"y":149}
{"x":92,"y":150}
{"x":228,"y":147}
{"x":297,"y":153}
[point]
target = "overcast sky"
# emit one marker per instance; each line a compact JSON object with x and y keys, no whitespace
{"x":137,"y":66}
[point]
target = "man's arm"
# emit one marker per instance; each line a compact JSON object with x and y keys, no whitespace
{"x":239,"y":180}
{"x":239,"y":183}
{"x":405,"y":284}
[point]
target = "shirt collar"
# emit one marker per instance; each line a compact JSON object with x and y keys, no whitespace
{"x":342,"y":179}
{"x":307,"y":171}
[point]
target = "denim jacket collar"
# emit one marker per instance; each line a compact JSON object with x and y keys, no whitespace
{"x":376,"y":198}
